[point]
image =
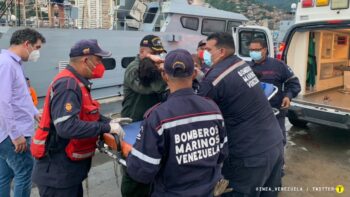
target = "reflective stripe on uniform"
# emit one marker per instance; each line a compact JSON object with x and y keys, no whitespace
{"x":222,"y":144}
{"x":51,"y":93}
{"x":61,"y":119}
{"x":292,"y":77}
{"x":227,"y":71}
{"x":82,"y":156}
{"x":144,"y":157}
{"x":39,"y":142}
{"x":184,"y":121}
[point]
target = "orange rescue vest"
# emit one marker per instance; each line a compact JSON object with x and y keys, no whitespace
{"x":77,"y":149}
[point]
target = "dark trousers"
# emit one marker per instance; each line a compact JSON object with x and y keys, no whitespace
{"x":248,"y":175}
{"x":132,"y":188}
{"x":281,"y":117}
{"x":75,"y":191}
{"x":282,"y":121}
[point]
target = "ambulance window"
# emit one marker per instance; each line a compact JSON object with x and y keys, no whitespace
{"x":232,"y":24}
{"x":190,"y":23}
{"x":245,"y":37}
{"x":210,"y":26}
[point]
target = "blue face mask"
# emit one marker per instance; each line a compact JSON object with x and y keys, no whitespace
{"x":255,"y":55}
{"x":207,"y":58}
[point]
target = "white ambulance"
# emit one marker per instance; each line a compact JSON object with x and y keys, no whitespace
{"x":317,"y":49}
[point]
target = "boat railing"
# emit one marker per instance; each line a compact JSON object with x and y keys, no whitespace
{"x":50,"y":16}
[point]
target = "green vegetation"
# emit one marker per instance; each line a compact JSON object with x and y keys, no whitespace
{"x":242,"y":6}
{"x":281,"y":4}
{"x":224,"y":5}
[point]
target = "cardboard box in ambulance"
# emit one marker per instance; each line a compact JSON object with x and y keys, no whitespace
{"x":317,"y":47}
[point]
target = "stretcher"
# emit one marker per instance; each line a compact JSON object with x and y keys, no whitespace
{"x":270,"y":91}
{"x":116,"y":148}
{"x":119,"y":149}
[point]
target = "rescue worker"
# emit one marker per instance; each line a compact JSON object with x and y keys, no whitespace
{"x":201,"y":46}
{"x":17,"y":113}
{"x":254,"y":136}
{"x":137,"y":97}
{"x":140,"y":96}
{"x":204,"y":67}
{"x":65,"y":140}
{"x":277,"y":73}
{"x":182,"y":142}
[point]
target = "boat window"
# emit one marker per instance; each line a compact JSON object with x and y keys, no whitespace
{"x":149,"y":16}
{"x":232,"y":24}
{"x":210,"y":26}
{"x":245,"y":37}
{"x":190,"y":22}
{"x":126,"y":61}
{"x":109,"y":63}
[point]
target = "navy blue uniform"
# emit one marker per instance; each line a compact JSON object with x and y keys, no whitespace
{"x":56,"y":170}
{"x":254,"y":136}
{"x":180,"y":147}
{"x":281,"y":75}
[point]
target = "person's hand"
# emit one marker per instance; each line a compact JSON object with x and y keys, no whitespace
{"x":221,"y":187}
{"x":285,"y":103}
{"x":20,"y":144}
{"x":37,"y":117}
{"x":160,"y":66}
{"x":122,"y":121}
{"x":155,"y":58}
{"x":117,"y":129}
{"x":200,"y":75}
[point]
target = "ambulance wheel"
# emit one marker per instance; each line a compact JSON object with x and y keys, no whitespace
{"x":297,"y":122}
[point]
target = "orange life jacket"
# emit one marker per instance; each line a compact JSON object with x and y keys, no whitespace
{"x":77,"y":149}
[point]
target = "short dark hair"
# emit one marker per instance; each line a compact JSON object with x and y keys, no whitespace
{"x":27,"y":34}
{"x":223,"y":39}
{"x":27,"y":78}
{"x":259,"y":41}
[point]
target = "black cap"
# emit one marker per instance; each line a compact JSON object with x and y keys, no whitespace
{"x":88,"y":47}
{"x":201,"y":43}
{"x":153,"y":42}
{"x":179,"y":63}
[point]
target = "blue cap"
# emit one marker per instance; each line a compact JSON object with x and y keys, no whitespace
{"x":179,"y":63}
{"x":88,"y":47}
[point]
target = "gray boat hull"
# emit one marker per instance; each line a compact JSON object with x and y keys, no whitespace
{"x":121,"y":43}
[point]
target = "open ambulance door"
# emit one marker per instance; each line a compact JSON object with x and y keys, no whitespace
{"x":243,"y":35}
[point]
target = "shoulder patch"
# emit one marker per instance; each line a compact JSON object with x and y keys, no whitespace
{"x":148,"y":112}
{"x":68,"y":107}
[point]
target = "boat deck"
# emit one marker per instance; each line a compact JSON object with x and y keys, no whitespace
{"x":329,"y":98}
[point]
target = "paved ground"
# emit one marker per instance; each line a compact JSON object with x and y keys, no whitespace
{"x":317,"y":160}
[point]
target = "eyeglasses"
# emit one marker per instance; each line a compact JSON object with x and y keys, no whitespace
{"x":256,"y":49}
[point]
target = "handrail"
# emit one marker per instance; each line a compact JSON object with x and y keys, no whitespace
{"x":79,"y":23}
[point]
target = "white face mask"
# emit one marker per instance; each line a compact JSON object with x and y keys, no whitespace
{"x":34,"y":56}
